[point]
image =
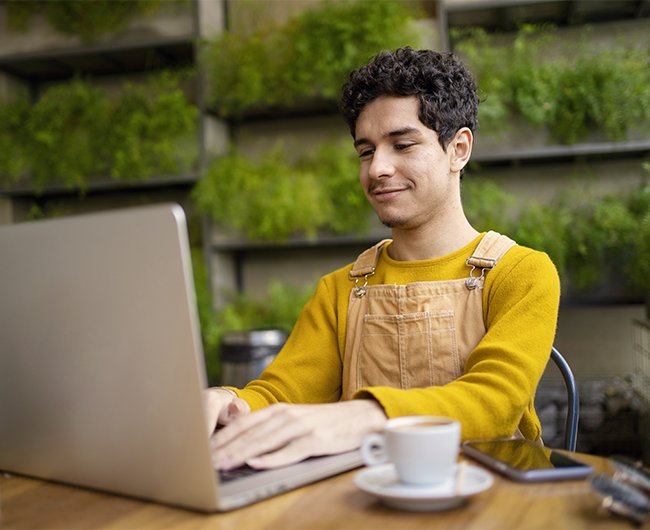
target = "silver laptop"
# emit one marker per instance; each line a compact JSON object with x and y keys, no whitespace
{"x":101,"y":363}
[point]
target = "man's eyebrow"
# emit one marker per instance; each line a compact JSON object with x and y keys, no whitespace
{"x":398,"y":132}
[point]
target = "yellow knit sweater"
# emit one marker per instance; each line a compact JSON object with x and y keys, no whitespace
{"x":496,"y":392}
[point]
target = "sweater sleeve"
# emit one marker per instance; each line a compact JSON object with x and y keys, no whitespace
{"x":308,"y":368}
{"x":495,"y":394}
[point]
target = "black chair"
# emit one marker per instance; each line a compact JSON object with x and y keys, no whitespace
{"x":571,"y":433}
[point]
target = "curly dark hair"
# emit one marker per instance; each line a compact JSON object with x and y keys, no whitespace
{"x":446,"y":89}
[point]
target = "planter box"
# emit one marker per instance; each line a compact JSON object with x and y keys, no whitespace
{"x":165,"y":38}
{"x":98,"y":185}
{"x":521,"y":143}
{"x":173,"y":21}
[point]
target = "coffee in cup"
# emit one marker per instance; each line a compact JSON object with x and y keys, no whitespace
{"x":424,"y":449}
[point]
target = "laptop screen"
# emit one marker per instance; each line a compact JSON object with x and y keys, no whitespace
{"x":101,"y":364}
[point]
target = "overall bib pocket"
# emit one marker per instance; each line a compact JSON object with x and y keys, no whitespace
{"x":417,"y":350}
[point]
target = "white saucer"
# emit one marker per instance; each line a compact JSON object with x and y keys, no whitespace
{"x":383,"y":482}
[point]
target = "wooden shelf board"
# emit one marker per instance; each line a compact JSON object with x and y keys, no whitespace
{"x":103,"y":186}
{"x":104,"y":60}
{"x":556,"y":153}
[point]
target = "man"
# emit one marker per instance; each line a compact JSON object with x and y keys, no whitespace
{"x":441,"y":320}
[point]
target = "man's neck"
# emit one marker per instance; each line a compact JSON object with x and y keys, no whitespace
{"x":430,"y":242}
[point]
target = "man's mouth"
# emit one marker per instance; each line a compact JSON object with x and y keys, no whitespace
{"x":386,"y":194}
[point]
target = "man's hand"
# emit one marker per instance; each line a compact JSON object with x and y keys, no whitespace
{"x":283,"y":434}
{"x":221,"y":407}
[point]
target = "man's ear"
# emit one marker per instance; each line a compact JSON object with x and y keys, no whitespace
{"x":460,"y":149}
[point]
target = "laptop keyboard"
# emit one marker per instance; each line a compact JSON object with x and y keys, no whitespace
{"x":237,"y":473}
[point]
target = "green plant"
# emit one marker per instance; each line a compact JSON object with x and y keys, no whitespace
{"x":638,"y":266}
{"x":581,"y":88}
{"x":268,"y":201}
{"x":146,"y":126}
{"x":79,"y":17}
{"x":596,"y":238}
{"x":310,"y":56}
{"x":13,"y":138}
{"x":543,"y":227}
{"x":337,"y":171}
{"x":76,"y":131}
{"x":278,"y":309}
{"x":273,"y":200}
{"x":327,"y":43}
{"x":242,"y":73}
{"x":488,"y":206}
{"x":65,"y":134}
{"x":210,"y":330}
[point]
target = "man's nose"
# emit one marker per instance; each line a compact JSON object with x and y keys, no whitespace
{"x":382,"y":165}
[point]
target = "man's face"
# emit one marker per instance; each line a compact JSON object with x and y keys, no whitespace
{"x":404,"y":171}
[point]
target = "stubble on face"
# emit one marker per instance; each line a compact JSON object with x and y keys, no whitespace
{"x":401,"y":223}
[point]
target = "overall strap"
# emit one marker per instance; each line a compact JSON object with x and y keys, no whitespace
{"x":489,"y":251}
{"x":365,"y":266}
{"x":367,"y":261}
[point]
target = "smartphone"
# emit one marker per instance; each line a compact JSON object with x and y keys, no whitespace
{"x":526,"y":461}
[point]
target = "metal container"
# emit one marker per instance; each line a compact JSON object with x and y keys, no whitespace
{"x":245,"y":354}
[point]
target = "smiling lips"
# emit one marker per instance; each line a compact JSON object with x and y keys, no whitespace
{"x":385,"y":194}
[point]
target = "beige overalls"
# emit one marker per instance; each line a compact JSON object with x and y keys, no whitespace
{"x":416,"y":335}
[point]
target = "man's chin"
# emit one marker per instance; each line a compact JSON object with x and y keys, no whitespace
{"x":397,"y":223}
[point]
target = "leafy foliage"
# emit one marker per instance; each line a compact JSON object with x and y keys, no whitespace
{"x":73,"y":17}
{"x":64,"y":134}
{"x":338,"y":175}
{"x":310,"y":56}
{"x":210,"y":331}
{"x":488,"y":206}
{"x":598,"y":234}
{"x":638,"y":267}
{"x":76,"y":131}
{"x":581,"y":88}
{"x":272,"y":200}
{"x":13,"y":135}
{"x":145,"y":127}
{"x":278,"y":309}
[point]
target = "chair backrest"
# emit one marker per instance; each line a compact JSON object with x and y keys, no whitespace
{"x":571,"y":433}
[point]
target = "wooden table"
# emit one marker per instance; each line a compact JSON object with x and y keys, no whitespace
{"x":330,"y":504}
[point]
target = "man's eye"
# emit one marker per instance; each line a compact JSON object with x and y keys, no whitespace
{"x":401,"y":147}
{"x":366,"y":152}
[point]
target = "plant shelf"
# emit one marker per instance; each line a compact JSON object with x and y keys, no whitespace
{"x":99,"y":60}
{"x":103,"y":186}
{"x":304,"y":108}
{"x":564,"y":153}
{"x":507,"y":14}
{"x":299,"y":243}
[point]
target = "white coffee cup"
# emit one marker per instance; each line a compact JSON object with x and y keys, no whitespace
{"x":424,"y":449}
